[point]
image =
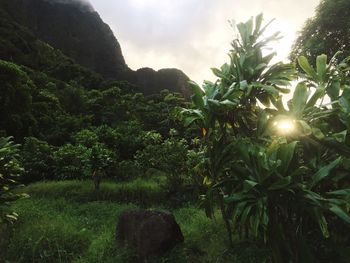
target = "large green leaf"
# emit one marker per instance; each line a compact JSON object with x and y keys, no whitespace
{"x":324,"y":172}
{"x":197,"y":97}
{"x":305,"y":65}
{"x":322,"y":222}
{"x":340,"y":212}
{"x":321,"y":67}
{"x":286,"y":154}
{"x":300,"y":97}
{"x":344,"y":192}
{"x":281,"y":183}
{"x":258,"y":22}
{"x":333,"y":90}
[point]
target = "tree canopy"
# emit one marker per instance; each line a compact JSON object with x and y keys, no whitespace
{"x":325,"y":33}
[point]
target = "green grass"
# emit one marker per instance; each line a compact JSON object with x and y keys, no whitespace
{"x":139,"y":191}
{"x":60,"y":223}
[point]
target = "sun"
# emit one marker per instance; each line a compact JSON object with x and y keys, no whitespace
{"x":285,"y":126}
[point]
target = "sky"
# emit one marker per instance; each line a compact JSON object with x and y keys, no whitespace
{"x":195,"y":35}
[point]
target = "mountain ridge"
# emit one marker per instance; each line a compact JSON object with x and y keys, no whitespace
{"x":76,"y":29}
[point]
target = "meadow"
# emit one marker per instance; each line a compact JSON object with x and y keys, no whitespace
{"x":69,"y":221}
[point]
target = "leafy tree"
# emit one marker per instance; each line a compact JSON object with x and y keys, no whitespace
{"x":86,"y":138}
{"x":15,"y":100}
{"x":274,"y":172}
{"x":103,"y":159}
{"x":130,"y":138}
{"x":108,"y":136}
{"x":325,"y":33}
{"x":169,"y":156}
{"x":10,"y":171}
{"x":72,"y":162}
{"x":37,"y":159}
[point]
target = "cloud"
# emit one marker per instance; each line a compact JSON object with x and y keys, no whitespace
{"x":194,"y":35}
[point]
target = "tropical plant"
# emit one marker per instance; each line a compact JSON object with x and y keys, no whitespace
{"x":10,"y":171}
{"x":274,"y":172}
{"x":229,"y":107}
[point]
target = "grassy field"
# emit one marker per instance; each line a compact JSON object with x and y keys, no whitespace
{"x":70,"y":222}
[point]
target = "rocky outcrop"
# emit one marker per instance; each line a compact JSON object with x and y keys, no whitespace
{"x":151,"y":81}
{"x":148,"y":232}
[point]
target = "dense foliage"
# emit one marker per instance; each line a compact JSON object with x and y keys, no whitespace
{"x":276,"y":173}
{"x":325,"y":33}
{"x":10,"y":171}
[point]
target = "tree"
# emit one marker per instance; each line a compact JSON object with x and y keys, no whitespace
{"x":15,"y":100}
{"x":37,"y":160}
{"x":169,"y":156}
{"x":326,"y":33}
{"x":72,"y":162}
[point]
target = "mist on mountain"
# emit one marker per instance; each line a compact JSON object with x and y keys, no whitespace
{"x":84,"y":5}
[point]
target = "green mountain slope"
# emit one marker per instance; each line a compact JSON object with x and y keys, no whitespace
{"x":80,"y":34}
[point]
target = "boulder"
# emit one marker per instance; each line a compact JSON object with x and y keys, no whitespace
{"x":150,"y":233}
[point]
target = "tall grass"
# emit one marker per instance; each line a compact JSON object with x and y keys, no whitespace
{"x":139,"y":191}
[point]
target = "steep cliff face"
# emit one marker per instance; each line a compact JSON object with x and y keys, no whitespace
{"x":73,"y":27}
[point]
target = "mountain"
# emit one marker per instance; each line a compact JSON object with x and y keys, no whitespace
{"x":76,"y":29}
{"x":72,"y":28}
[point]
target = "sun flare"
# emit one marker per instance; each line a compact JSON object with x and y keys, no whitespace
{"x":285,"y":126}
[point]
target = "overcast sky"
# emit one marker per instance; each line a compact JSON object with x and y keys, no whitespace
{"x":194,"y":35}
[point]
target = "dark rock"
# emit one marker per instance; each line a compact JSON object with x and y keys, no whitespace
{"x":148,"y":232}
{"x":151,"y":82}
